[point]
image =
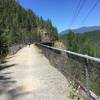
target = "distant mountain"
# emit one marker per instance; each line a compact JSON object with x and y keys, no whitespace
{"x":82,"y":29}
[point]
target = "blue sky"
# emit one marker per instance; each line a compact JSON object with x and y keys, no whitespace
{"x":61,"y":12}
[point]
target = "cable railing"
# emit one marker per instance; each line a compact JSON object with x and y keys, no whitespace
{"x":87,"y":62}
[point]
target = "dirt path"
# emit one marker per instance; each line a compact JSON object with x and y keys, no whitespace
{"x":30,"y":76}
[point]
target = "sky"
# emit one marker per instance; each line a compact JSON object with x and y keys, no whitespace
{"x":61,"y":12}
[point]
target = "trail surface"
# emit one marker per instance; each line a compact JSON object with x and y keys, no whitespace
{"x":28,"y":75}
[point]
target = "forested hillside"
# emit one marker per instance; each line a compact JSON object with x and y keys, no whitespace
{"x":19,"y":25}
{"x":86,"y":43}
{"x":94,"y":36}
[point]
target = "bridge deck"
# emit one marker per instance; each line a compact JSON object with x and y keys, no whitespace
{"x":30,"y":76}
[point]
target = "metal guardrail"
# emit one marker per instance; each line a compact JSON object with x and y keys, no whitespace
{"x":73,"y":53}
{"x":87,"y":58}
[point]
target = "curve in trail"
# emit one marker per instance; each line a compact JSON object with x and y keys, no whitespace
{"x":32,"y":78}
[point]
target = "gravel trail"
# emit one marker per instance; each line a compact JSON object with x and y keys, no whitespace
{"x":30,"y":76}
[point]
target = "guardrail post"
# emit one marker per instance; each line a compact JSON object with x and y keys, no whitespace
{"x":87,"y":79}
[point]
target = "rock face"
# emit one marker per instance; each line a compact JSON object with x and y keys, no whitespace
{"x":59,"y":44}
{"x":45,"y":37}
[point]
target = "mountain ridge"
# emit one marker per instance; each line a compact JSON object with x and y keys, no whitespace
{"x":82,"y":29}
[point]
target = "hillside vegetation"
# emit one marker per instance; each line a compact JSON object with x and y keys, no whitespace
{"x":86,"y":43}
{"x":94,"y":36}
{"x":20,"y":25}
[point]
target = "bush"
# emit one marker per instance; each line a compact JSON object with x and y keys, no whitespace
{"x":3,"y":47}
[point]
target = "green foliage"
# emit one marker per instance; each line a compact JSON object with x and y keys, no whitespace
{"x":3,"y":47}
{"x":74,"y":92}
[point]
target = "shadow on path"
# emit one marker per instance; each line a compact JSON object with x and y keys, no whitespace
{"x":3,"y":66}
{"x":18,"y":94}
{"x":5,"y":81}
{"x":8,"y":89}
{"x":10,"y":57}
